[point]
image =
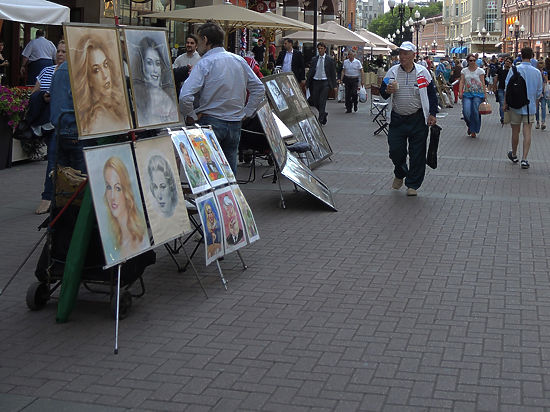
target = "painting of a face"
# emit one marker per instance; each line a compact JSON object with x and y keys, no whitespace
{"x":210,"y":216}
{"x":161,"y":191}
{"x":205,"y":152}
{"x":232,"y":215}
{"x":151,"y":67}
{"x":114,"y":193}
{"x":100,"y":74}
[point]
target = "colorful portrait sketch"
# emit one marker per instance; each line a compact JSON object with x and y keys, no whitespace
{"x":97,"y":80}
{"x":117,"y":202}
{"x":220,"y":155}
{"x":212,"y":226}
{"x":161,"y":189}
{"x":233,"y":226}
{"x":276,"y":95}
{"x":246,"y":213}
{"x":151,"y":77}
{"x":304,"y":177}
{"x":190,"y":164}
{"x":278,"y":147}
{"x":205,"y":153}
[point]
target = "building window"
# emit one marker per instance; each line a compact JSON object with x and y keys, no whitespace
{"x":491,"y":15}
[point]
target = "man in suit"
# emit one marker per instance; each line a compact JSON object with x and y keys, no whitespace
{"x":291,"y":60}
{"x":320,"y":78}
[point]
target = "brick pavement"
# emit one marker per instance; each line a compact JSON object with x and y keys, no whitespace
{"x":392,"y":303}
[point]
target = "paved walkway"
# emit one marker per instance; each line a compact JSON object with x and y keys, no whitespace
{"x":392,"y":303}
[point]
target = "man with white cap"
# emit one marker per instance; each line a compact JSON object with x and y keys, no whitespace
{"x":413,"y":109}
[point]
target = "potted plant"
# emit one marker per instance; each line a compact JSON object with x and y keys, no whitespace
{"x":13,"y":103}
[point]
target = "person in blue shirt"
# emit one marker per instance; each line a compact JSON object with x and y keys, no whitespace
{"x":524,"y":115}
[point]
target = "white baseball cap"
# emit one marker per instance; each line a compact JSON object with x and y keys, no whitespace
{"x":407,"y":45}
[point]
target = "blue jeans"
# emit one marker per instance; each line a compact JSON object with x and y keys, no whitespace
{"x":501,"y":103}
{"x":541,"y":107}
{"x":470,"y":110}
{"x":49,"y":136}
{"x":228,"y":135}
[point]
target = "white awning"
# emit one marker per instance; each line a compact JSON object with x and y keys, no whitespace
{"x":498,"y":44}
{"x":34,"y":11}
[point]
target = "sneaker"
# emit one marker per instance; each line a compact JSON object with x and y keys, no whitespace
{"x":411,"y":192}
{"x":469,"y":132}
{"x":397,"y":183}
{"x":537,"y":126}
{"x":524,"y":164}
{"x":542,"y":126}
{"x":513,"y":158}
{"x":473,"y":135}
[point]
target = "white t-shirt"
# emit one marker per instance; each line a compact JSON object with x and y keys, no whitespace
{"x":184,"y":60}
{"x":472,"y":83}
{"x":352,"y":68}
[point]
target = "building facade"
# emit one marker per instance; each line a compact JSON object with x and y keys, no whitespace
{"x":366,"y":11}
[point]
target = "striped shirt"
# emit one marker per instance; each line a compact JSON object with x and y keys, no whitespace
{"x":45,"y":78}
{"x":406,"y":100}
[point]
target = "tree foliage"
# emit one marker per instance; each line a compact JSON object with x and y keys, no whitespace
{"x":388,"y":23}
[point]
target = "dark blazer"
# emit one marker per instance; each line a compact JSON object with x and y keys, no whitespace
{"x":298,"y":66}
{"x":330,"y":71}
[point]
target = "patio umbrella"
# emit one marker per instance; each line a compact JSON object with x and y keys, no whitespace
{"x":34,"y":11}
{"x":332,"y":33}
{"x":376,"y":39}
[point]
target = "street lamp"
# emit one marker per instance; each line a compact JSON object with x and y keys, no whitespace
{"x":516,"y":30}
{"x":416,"y":25}
{"x":434,"y":46}
{"x":306,"y":3}
{"x":461,"y":42}
{"x":482,"y":35}
{"x":401,"y":13}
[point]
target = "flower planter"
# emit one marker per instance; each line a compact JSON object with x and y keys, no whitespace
{"x":6,"y":143}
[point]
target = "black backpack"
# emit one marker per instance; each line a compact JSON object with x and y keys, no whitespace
{"x":516,"y":91}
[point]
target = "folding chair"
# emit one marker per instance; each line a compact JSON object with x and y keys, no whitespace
{"x":380,"y":118}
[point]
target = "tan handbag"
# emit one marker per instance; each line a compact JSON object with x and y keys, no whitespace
{"x":485,"y":108}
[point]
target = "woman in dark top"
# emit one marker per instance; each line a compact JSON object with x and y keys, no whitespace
{"x":499,"y":84}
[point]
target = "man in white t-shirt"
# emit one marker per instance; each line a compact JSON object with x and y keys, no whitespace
{"x":38,"y":54}
{"x":352,"y":74}
{"x":191,"y":57}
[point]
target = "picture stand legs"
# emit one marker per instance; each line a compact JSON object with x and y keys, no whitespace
{"x":282,"y":202}
{"x":242,"y":260}
{"x":221,"y":274}
{"x":119,"y":268}
{"x":189,"y":261}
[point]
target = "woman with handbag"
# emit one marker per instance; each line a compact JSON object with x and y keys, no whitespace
{"x":472,"y":91}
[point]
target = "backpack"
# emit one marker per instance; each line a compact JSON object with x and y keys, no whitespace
{"x":516,"y":91}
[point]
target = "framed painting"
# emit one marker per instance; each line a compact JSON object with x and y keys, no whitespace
{"x":322,"y":148}
{"x":205,"y":153}
{"x":276,"y":95}
{"x":117,"y":202}
{"x":151,"y":77}
{"x":311,"y":133}
{"x":220,"y":155}
{"x":212,"y":226}
{"x":97,"y":80}
{"x":300,"y":174}
{"x":278,"y":147}
{"x":300,"y":98}
{"x":161,"y":189}
{"x":233,"y":226}
{"x":246,"y":213}
{"x":190,"y":164}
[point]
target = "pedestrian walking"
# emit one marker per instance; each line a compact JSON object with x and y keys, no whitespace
{"x":528,"y":90}
{"x":413,"y":110}
{"x":292,"y":60}
{"x":320,"y":79}
{"x":37,"y":55}
{"x":541,"y":103}
{"x":499,"y":84}
{"x":352,"y":74}
{"x":472,"y":91}
{"x":455,"y":80}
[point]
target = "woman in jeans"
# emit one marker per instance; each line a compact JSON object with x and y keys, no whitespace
{"x":541,"y":105}
{"x":472,"y":91}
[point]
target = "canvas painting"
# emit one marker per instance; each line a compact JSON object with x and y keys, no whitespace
{"x":97,"y":80}
{"x":278,"y":147}
{"x":297,"y":136}
{"x":151,"y":76}
{"x":212,"y":226}
{"x":161,"y":188}
{"x":300,"y":98}
{"x":233,"y":226}
{"x":205,"y":153}
{"x":190,"y":164}
{"x":307,"y":180}
{"x":322,"y":147}
{"x":309,"y":137}
{"x":117,"y":202}
{"x":220,"y":155}
{"x":276,"y":95}
{"x":246,"y":213}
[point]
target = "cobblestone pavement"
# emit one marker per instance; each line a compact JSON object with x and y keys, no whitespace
{"x":392,"y":303}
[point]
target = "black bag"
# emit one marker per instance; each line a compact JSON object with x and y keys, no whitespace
{"x":516,"y":91}
{"x":431,"y":157}
{"x":23,"y":131}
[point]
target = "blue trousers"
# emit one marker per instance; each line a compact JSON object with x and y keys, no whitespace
{"x":413,"y":130}
{"x":501,"y":103}
{"x":229,"y":136}
{"x":470,"y":110}
{"x":541,"y":107}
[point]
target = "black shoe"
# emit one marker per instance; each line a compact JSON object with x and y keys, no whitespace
{"x":524,"y":164}
{"x":323,"y":118}
{"x":355,"y":108}
{"x":348,"y":111}
{"x":513,"y":158}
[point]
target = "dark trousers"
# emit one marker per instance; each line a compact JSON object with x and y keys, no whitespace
{"x":35,"y":67}
{"x":319,"y":95}
{"x":351,"y":84}
{"x":70,"y":153}
{"x":411,"y":129}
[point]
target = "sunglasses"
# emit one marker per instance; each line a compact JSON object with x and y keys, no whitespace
{"x":470,"y":60}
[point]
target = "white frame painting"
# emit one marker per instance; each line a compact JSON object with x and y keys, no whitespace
{"x":212,"y":227}
{"x":190,"y":164}
{"x":246,"y":213}
{"x":233,"y":225}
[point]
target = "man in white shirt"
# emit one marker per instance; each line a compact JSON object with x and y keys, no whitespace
{"x":220,"y":81}
{"x":38,"y":54}
{"x":191,"y":57}
{"x":352,"y":74}
{"x":321,"y":77}
{"x":291,"y":60}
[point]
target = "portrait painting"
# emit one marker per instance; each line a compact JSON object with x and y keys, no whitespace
{"x":205,"y":153}
{"x":97,"y":80}
{"x":190,"y":164}
{"x":233,"y":226}
{"x":276,"y":95}
{"x":297,"y":135}
{"x":300,"y":98}
{"x":309,"y":137}
{"x":161,"y":187}
{"x":151,"y":77}
{"x":220,"y":155}
{"x":278,"y":147}
{"x":246,"y":213}
{"x":322,"y":145}
{"x":212,"y":226}
{"x":300,"y":174}
{"x":117,"y":202}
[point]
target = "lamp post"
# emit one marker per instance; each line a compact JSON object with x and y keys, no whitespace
{"x":306,"y":3}
{"x":416,"y":25}
{"x":434,"y":46}
{"x":461,"y":42}
{"x":516,"y":30}
{"x":482,"y":35}
{"x":401,"y":7}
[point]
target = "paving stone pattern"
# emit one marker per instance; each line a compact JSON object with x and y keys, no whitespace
{"x":392,"y":303}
